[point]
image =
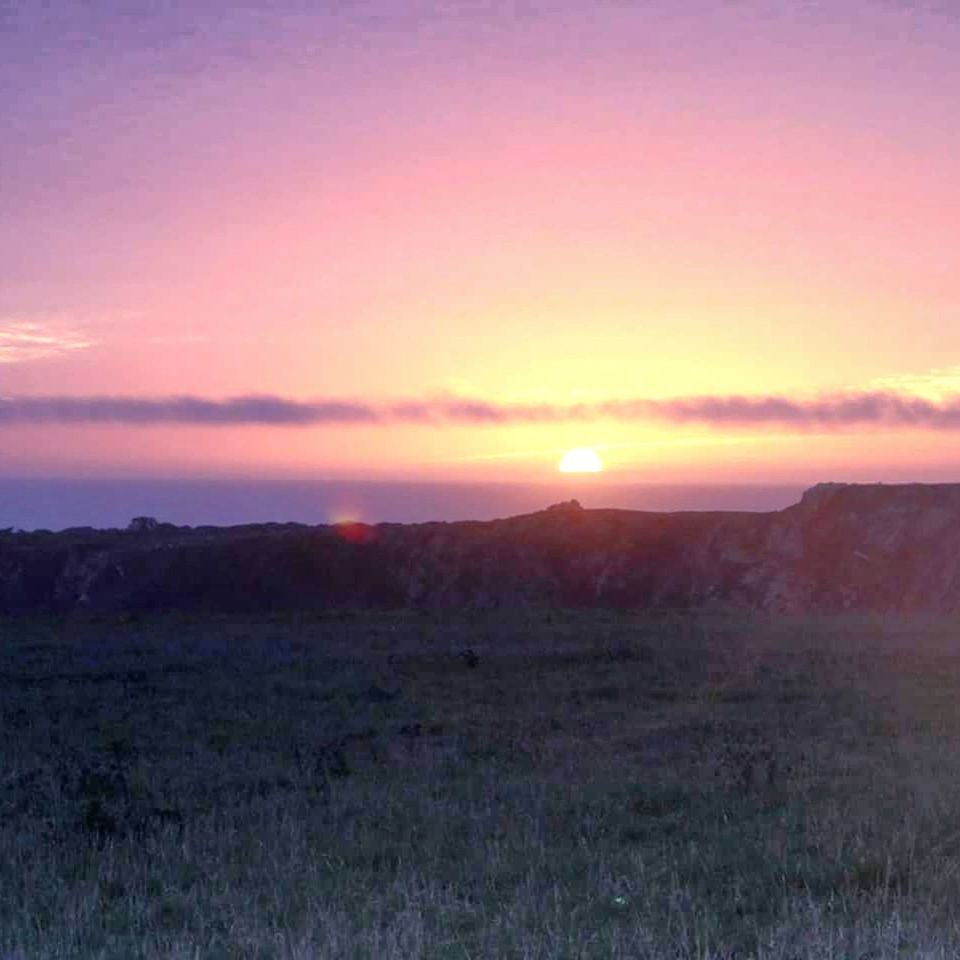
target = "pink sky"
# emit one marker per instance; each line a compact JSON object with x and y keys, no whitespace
{"x":514,"y":203}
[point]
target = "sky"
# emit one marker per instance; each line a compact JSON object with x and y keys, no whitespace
{"x":447,"y":241}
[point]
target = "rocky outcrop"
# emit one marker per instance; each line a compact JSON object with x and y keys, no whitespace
{"x":842,"y":547}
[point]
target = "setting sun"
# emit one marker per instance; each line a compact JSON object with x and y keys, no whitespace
{"x":580,"y":460}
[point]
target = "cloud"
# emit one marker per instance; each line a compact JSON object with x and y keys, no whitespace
{"x":936,"y":384}
{"x":184,"y":410}
{"x":22,"y":340}
{"x":834,"y":411}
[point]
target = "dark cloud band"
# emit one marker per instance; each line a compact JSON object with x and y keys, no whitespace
{"x":834,"y":411}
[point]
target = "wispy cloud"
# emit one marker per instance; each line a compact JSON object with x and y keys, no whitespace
{"x":834,"y":411}
{"x":24,"y":340}
{"x":937,"y":384}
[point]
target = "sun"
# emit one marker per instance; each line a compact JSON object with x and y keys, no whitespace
{"x":580,"y":460}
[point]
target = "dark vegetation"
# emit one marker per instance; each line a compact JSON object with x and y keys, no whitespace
{"x":542,"y":785}
{"x":877,"y":548}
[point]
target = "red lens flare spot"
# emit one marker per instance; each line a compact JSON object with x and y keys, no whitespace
{"x":352,"y":531}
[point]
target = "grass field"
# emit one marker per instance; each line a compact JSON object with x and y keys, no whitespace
{"x":588,"y":786}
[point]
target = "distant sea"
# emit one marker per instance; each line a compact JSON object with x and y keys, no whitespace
{"x":58,"y":503}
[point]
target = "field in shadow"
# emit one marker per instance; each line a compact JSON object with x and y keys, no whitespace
{"x":538,"y":787}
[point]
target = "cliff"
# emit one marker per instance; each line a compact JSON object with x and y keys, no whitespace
{"x":843,"y":546}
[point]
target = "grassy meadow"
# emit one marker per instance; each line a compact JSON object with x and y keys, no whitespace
{"x":581,"y":785}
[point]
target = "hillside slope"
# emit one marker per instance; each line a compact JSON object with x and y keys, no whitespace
{"x":843,"y":546}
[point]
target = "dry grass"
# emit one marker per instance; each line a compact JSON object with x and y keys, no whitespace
{"x":589,"y":786}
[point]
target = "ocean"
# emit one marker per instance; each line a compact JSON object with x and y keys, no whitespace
{"x":58,"y":503}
